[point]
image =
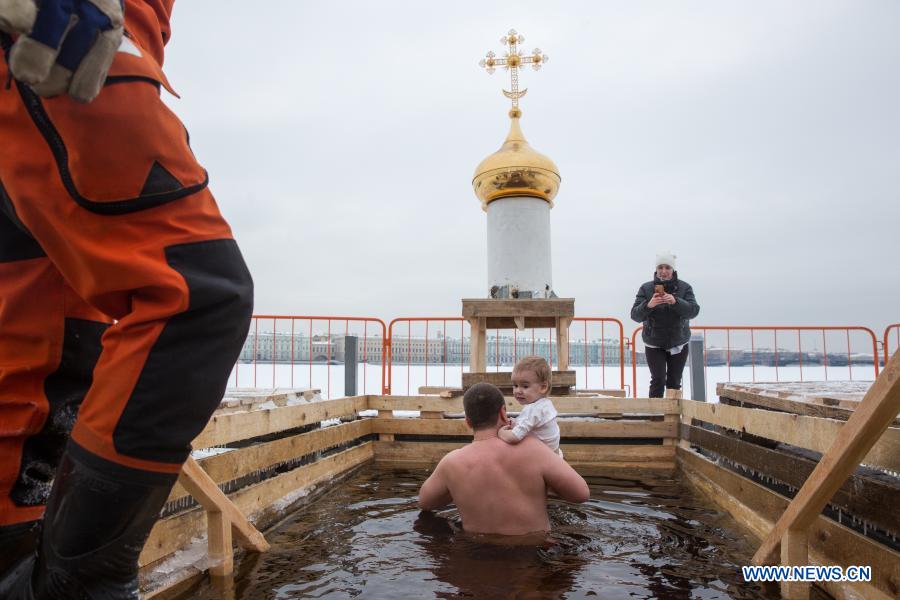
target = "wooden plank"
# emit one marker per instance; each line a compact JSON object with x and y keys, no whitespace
{"x":522,"y":307}
{"x":817,"y":392}
{"x":588,"y":458}
{"x":582,"y":457}
{"x":168,"y":535}
{"x":798,"y":430}
{"x":477,"y":344}
{"x":750,"y":504}
{"x":879,"y":407}
{"x":759,"y":400}
{"x":636,"y":470}
{"x":503,"y":378}
{"x":199,"y":485}
{"x":875,"y":500}
{"x":277,"y":396}
{"x":795,"y":552}
{"x":243,"y":461}
{"x":785,"y":402}
{"x":221,"y":555}
{"x":753,"y":506}
{"x":412,"y":454}
{"x":436,"y":389}
{"x":564,"y":405}
{"x":615,"y":429}
{"x":562,"y":344}
{"x":674,"y":419}
{"x":615,"y":392}
{"x":420,"y":403}
{"x":226,"y":428}
{"x":529,"y":322}
{"x":568,"y":429}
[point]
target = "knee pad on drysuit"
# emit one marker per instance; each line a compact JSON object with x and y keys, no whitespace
{"x":184,"y":376}
{"x":97,"y":520}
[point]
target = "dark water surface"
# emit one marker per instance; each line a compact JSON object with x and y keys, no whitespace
{"x":649,"y":538}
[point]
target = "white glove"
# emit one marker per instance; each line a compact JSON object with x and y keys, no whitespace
{"x":64,"y":46}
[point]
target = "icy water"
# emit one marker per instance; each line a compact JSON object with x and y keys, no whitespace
{"x":652,"y":537}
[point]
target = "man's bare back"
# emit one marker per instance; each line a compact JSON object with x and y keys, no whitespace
{"x":501,"y":488}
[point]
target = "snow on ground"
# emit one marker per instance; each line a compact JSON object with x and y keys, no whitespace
{"x":406,"y":381}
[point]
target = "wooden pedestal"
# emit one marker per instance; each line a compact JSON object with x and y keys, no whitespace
{"x":485,"y":314}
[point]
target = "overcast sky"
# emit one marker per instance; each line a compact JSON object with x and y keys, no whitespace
{"x":759,"y":141}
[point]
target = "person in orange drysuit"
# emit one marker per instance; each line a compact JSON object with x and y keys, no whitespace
{"x":124,"y":299}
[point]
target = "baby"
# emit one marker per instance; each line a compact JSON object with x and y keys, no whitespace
{"x":531,"y":384}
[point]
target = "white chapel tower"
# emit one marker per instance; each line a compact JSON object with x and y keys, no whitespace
{"x":516,"y":186}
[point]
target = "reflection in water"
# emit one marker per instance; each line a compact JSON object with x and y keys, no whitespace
{"x":647,"y":538}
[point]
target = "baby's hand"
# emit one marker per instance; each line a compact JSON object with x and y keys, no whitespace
{"x":511,"y":422}
{"x":505,"y":433}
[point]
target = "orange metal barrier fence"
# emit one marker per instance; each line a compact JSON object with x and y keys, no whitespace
{"x":442,"y":350}
{"x":895,"y":327}
{"x":775,"y":356}
{"x":298,"y":351}
{"x":581,"y":325}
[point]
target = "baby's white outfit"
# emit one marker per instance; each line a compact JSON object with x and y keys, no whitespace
{"x":539,"y":418}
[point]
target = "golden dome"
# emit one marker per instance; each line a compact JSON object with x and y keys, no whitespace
{"x":516,"y":169}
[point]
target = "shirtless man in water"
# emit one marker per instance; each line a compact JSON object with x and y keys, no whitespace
{"x":499,"y":488}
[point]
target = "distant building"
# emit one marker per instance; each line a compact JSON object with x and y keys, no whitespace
{"x":300,"y":348}
{"x":287,"y":348}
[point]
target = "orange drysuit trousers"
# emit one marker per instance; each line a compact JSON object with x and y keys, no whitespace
{"x":124,"y":300}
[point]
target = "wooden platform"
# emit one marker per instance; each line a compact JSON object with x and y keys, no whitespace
{"x":487,"y":314}
{"x":562,"y":382}
{"x":525,"y":313}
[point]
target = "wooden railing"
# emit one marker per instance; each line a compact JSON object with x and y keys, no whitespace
{"x":262,"y":502}
{"x":620,"y":418}
{"x":748,"y":438}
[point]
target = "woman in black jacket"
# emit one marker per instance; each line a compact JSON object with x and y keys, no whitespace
{"x":664,"y":306}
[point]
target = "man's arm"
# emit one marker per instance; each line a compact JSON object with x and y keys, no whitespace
{"x":564,"y":481}
{"x":434,"y":493}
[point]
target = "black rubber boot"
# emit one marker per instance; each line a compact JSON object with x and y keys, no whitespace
{"x":17,"y":547}
{"x":17,"y":542}
{"x":97,"y":520}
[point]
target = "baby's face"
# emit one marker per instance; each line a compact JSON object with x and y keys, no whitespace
{"x":527,"y":388}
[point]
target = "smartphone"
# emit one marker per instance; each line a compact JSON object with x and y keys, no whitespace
{"x":659,"y":289}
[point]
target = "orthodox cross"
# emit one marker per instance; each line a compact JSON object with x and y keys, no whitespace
{"x":511,"y":61}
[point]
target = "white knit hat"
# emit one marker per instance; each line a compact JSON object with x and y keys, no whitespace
{"x":665,"y":258}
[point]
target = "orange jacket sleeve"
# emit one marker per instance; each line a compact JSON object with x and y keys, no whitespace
{"x":148,"y":20}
